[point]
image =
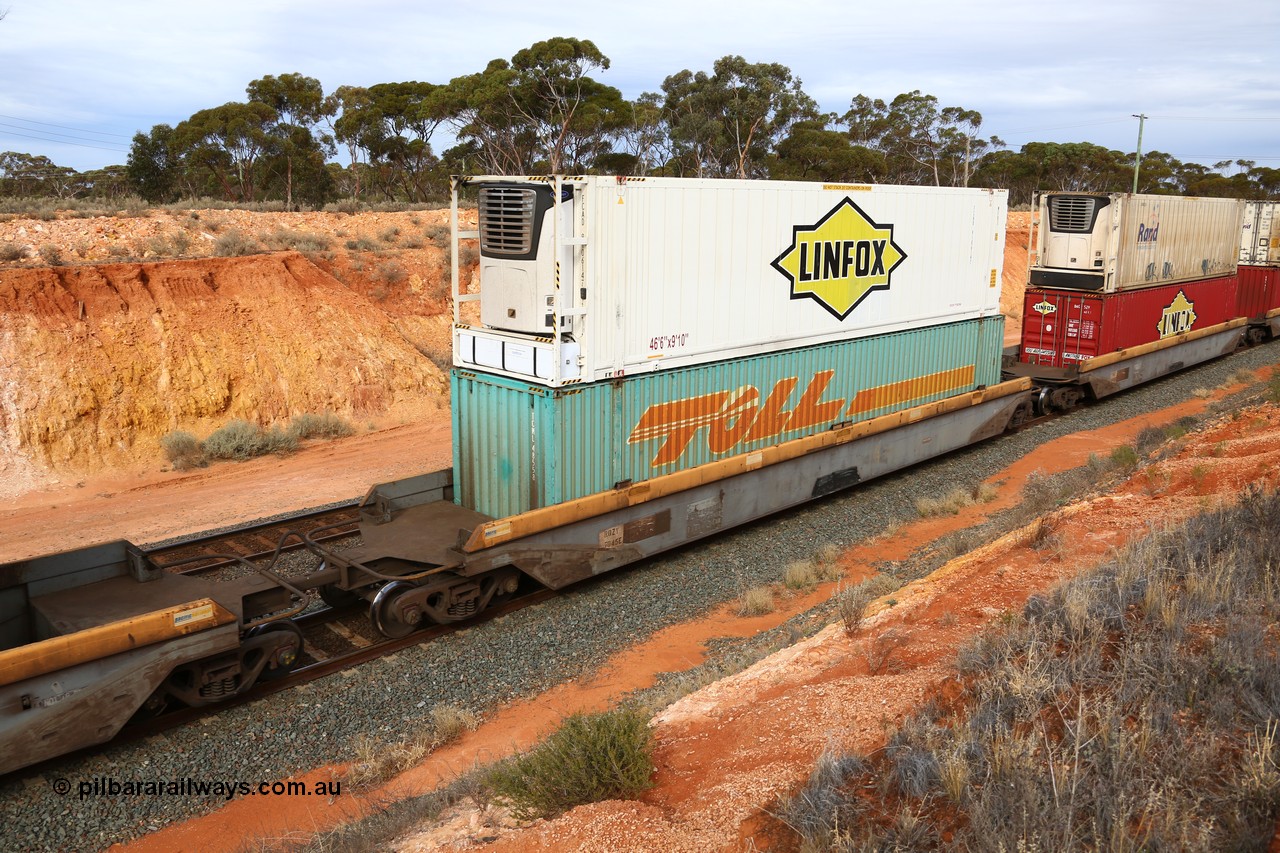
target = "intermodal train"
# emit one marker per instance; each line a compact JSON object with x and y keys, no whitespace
{"x":640,"y":363}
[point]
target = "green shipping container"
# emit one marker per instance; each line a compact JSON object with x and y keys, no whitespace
{"x":519,"y":446}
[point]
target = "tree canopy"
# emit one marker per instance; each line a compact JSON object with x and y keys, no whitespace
{"x":544,"y":110}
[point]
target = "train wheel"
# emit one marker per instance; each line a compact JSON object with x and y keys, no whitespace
{"x":382,"y":611}
{"x":285,"y":658}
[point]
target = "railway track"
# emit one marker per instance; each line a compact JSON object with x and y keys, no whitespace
{"x":257,"y":540}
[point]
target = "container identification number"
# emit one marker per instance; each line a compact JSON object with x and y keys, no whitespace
{"x":661,"y":342}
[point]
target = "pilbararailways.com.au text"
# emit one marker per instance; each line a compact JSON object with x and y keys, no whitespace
{"x":104,"y":786}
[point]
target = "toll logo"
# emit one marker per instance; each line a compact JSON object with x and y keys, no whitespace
{"x":840,"y":259}
{"x":1045,"y":307}
{"x":1178,"y":316}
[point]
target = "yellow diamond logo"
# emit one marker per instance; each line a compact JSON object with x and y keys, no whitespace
{"x":840,"y":259}
{"x":1178,"y":317}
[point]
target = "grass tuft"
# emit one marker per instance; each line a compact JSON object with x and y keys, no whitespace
{"x":756,"y":601}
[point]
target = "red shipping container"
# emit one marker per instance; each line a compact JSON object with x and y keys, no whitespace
{"x":1061,"y":328}
{"x":1259,"y":290}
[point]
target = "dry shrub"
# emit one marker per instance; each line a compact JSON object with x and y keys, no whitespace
{"x":182,"y":450}
{"x":234,"y":244}
{"x":242,"y":440}
{"x":438,"y":235}
{"x":12,"y":251}
{"x":955,"y":500}
{"x":298,"y":241}
{"x":756,"y":601}
{"x":51,"y":255}
{"x":390,"y":272}
{"x":326,"y":425}
{"x":1134,"y":708}
{"x":801,"y":575}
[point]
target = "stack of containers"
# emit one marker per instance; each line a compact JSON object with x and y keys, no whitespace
{"x":1260,"y":260}
{"x":1114,"y":271}
{"x":702,"y":319}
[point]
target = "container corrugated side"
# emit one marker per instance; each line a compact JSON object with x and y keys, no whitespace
{"x":1259,"y":290}
{"x":520,"y":446}
{"x":1061,"y":328}
{"x":1194,"y":238}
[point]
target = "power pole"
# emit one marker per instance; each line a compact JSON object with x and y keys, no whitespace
{"x":1137,"y":160}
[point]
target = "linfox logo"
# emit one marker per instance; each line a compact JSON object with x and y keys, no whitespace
{"x":1178,"y":316}
{"x":736,"y":417}
{"x":1148,"y":233}
{"x":1044,"y":306}
{"x":840,"y":259}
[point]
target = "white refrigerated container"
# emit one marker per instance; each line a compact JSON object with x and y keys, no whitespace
{"x":1110,"y":242}
{"x":589,"y":278}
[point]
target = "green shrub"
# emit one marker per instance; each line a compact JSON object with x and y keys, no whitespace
{"x":592,"y":757}
{"x":1124,"y":457}
{"x":361,"y":244}
{"x":327,"y":425}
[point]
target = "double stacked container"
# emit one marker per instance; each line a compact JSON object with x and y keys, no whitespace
{"x":1260,"y":260}
{"x":630,"y":328}
{"x":1114,"y":271}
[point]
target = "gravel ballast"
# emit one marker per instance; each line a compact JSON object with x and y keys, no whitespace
{"x":515,"y":656}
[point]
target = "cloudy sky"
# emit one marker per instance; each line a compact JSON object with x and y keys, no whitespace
{"x":82,"y":76}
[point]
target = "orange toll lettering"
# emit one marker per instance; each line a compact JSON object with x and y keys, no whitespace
{"x":677,"y":422}
{"x":810,"y":411}
{"x":772,"y":418}
{"x":735,"y":418}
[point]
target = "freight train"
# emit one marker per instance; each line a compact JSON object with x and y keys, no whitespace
{"x":642,"y":363}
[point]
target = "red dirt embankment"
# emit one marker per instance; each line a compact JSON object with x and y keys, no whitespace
{"x":101,"y":360}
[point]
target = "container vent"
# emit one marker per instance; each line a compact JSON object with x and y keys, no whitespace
{"x":1072,"y":213}
{"x":506,"y":220}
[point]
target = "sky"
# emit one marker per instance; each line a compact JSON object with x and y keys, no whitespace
{"x":81,"y":77}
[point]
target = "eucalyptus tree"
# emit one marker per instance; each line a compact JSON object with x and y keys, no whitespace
{"x":728,"y":123}
{"x":300,"y":105}
{"x":153,"y":169}
{"x":540,"y":112}
{"x":813,"y":151}
{"x":921,"y":143}
{"x":226,"y":143}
